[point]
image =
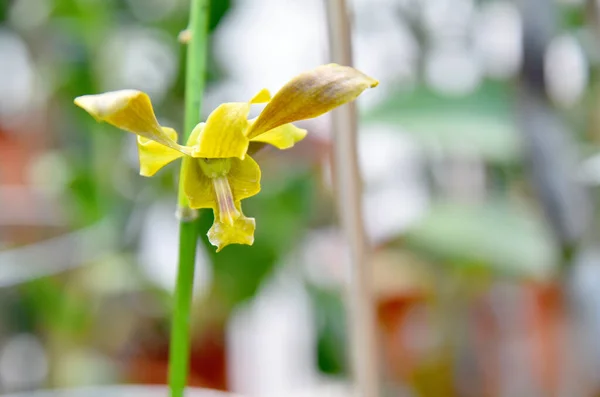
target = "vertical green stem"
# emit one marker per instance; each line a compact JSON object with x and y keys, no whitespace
{"x":179,"y":351}
{"x":195,"y":72}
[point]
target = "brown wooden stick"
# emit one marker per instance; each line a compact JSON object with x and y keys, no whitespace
{"x":348,"y":180}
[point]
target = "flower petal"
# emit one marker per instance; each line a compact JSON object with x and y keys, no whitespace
{"x":312,"y":94}
{"x":244,"y":178}
{"x":194,"y":137}
{"x":282,"y":137}
{"x":153,"y":156}
{"x":223,"y":234}
{"x":263,"y":96}
{"x":197,"y":187}
{"x":131,"y":111}
{"x":223,"y":135}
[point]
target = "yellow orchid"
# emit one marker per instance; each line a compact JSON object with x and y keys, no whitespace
{"x":217,"y":171}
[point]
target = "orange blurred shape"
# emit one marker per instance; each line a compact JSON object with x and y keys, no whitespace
{"x":208,"y":365}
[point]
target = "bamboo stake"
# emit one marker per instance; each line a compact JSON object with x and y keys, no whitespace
{"x":347,"y":176}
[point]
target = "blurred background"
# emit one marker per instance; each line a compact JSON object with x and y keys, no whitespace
{"x":480,"y":160}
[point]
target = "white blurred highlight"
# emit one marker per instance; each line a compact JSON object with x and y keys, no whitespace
{"x":451,"y":69}
{"x":394,"y":196}
{"x":272,"y":342}
{"x":23,"y":363}
{"x":17,"y":77}
{"x":29,"y":14}
{"x":138,"y":58}
{"x":498,"y":35}
{"x":566,"y":70}
{"x":158,"y":242}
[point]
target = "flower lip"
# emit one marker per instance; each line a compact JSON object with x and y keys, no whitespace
{"x":240,"y":232}
{"x":227,"y":211}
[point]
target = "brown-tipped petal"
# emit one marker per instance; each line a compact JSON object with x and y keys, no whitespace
{"x":312,"y":94}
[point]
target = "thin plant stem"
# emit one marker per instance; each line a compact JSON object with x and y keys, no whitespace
{"x":347,"y":177}
{"x":179,"y":350}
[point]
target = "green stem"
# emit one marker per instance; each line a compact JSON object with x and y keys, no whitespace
{"x":180,"y":328}
{"x":179,"y":351}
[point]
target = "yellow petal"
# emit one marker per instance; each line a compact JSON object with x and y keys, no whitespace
{"x":223,"y":135}
{"x":197,"y":187}
{"x":244,"y":178}
{"x":153,"y":155}
{"x":312,"y":94}
{"x":240,"y":232}
{"x":263,"y":96}
{"x":282,"y":137}
{"x":194,"y":137}
{"x":131,"y":111}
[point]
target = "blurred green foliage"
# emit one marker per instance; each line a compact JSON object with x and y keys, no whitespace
{"x":479,"y":123}
{"x":497,"y":236}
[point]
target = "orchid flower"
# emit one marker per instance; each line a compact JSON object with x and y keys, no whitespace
{"x":217,"y":171}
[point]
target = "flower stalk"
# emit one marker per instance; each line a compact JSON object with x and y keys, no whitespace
{"x":179,"y":350}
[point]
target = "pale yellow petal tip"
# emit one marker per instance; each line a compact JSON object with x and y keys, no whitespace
{"x":147,"y":172}
{"x":87,"y":103}
{"x":241,"y":232}
{"x":371,"y":82}
{"x":103,"y":105}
